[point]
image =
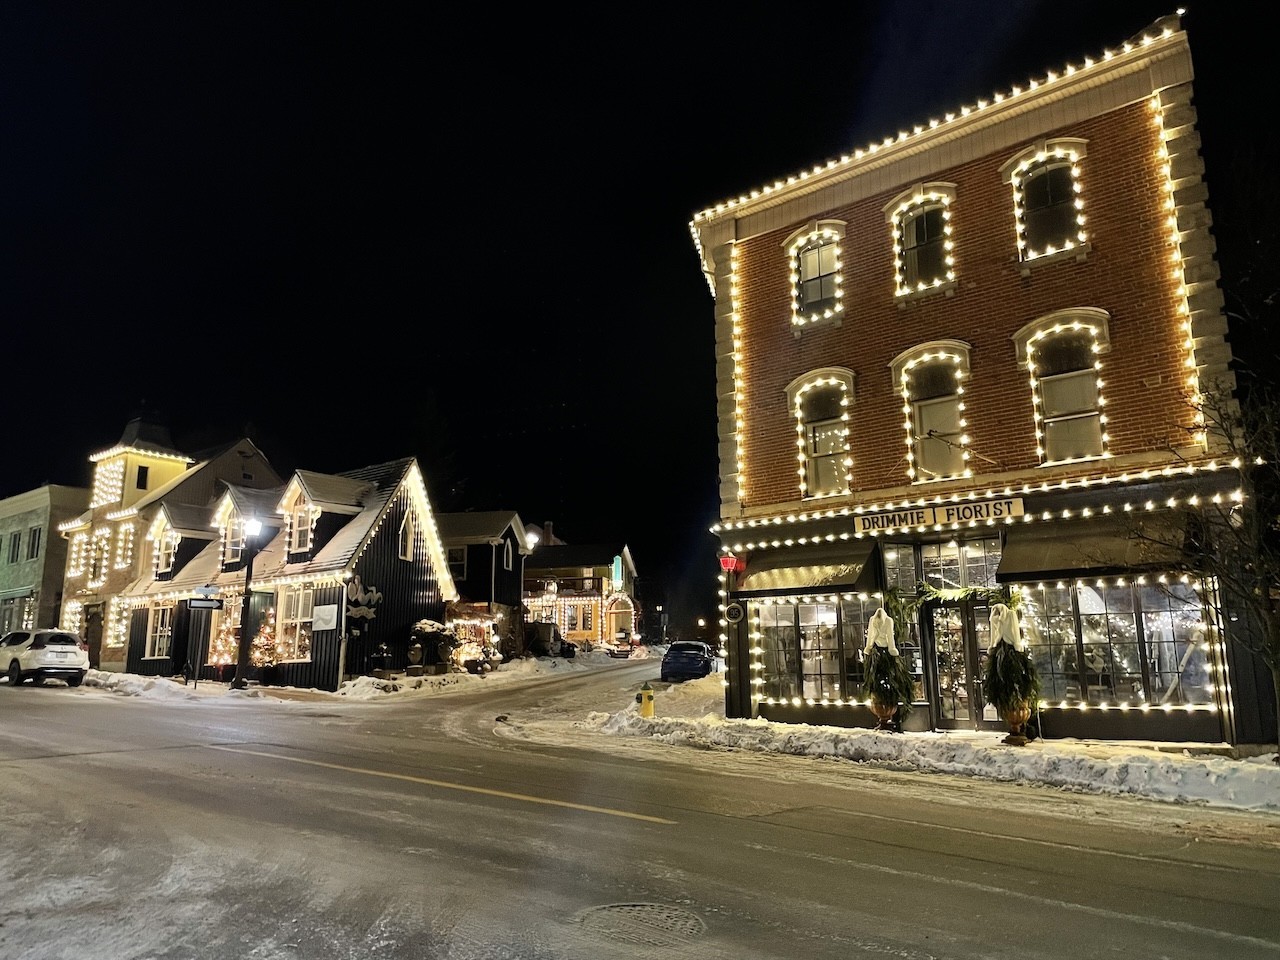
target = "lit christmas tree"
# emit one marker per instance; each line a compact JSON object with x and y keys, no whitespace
{"x":224,"y":646}
{"x":263,"y":653}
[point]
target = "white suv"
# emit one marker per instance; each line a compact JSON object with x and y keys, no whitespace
{"x":43,"y":654}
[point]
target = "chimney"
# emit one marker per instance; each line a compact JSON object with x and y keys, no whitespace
{"x":547,"y":536}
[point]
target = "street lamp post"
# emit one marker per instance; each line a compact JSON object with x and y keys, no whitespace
{"x":252,"y":527}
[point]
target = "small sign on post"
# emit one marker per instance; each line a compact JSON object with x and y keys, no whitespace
{"x":204,"y":603}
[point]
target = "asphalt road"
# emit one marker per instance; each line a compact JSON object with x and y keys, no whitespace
{"x":232,"y":828}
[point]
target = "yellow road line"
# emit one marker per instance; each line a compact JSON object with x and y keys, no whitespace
{"x":450,"y":786}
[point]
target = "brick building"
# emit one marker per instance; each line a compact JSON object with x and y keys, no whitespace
{"x":960,"y":367}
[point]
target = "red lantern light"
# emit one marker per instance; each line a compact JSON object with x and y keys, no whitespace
{"x":731,"y":564}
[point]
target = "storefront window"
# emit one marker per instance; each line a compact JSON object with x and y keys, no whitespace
{"x":819,"y":651}
{"x":778,"y":641}
{"x":1118,"y":641}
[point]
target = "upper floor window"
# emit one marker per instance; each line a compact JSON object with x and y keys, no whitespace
{"x":300,"y":526}
{"x":15,"y":546}
{"x":33,"y":543}
{"x":167,"y":551}
{"x":1062,"y":353}
{"x":930,"y":379}
{"x":407,"y":534}
{"x":820,"y":401}
{"x":508,"y":555}
{"x":141,"y":482}
{"x":922,"y":249}
{"x":1047,"y":203}
{"x":233,"y":540}
{"x":457,"y":557}
{"x":817,"y":280}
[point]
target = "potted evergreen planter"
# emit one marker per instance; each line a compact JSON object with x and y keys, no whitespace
{"x":1010,"y":682}
{"x":886,"y":679}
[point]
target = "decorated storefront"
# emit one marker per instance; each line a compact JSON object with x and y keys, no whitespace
{"x":1127,"y":638}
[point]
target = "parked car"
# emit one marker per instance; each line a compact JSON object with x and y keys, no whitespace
{"x":687,"y":660}
{"x":43,"y":655}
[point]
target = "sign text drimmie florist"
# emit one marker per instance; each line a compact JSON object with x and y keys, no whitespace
{"x":945,"y":514}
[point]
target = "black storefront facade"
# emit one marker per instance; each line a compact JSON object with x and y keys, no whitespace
{"x":1130,"y":640}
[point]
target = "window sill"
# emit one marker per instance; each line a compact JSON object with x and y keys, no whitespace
{"x":1074,"y":460}
{"x":1079,"y":253}
{"x":797,"y":329}
{"x":947,"y":289}
{"x":929,"y":480}
{"x":162,"y":656}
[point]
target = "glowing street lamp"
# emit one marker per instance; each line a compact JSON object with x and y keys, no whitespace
{"x":252,"y":527}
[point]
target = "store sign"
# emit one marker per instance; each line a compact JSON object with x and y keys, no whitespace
{"x":944,"y":514}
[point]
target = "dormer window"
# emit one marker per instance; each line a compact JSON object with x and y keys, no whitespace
{"x":167,"y":551}
{"x":300,"y":527}
{"x":508,"y":555}
{"x":233,"y":540}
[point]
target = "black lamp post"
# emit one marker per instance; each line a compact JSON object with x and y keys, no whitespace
{"x":252,"y":528}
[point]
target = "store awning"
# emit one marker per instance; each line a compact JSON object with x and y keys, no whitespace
{"x":16,"y":593}
{"x":846,"y":564}
{"x":1052,"y":551}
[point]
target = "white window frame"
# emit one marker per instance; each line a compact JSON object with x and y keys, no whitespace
{"x":1089,"y":321}
{"x":233,"y":539}
{"x":453,"y":566}
{"x":167,"y":550}
{"x":408,"y":533}
{"x":903,"y":209}
{"x":300,"y":520}
{"x":33,"y":543}
{"x":952,"y":353}
{"x":1032,"y":160}
{"x":822,"y":234}
{"x":827,"y":377}
{"x":160,"y":631}
{"x":295,"y":606}
{"x":508,"y":555}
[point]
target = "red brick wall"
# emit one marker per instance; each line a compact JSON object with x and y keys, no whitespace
{"x":1126,"y":273}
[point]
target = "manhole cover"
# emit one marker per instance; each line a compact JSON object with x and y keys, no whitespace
{"x":651,"y":924}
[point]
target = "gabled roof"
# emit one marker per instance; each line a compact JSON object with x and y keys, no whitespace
{"x":188,"y":519}
{"x":332,"y":493}
{"x":481,"y":526}
{"x":252,"y":502}
{"x":566,"y":555}
{"x":162,"y":492}
{"x":380,"y":483}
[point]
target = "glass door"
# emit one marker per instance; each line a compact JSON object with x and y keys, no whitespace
{"x":960,"y":635}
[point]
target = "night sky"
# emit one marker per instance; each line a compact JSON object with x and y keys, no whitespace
{"x":358,"y":232}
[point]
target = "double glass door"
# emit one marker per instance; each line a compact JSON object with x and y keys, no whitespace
{"x":961,"y":633}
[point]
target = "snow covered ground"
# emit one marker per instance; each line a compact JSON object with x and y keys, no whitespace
{"x":692,"y":713}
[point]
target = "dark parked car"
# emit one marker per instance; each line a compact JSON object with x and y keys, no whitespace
{"x":687,"y":660}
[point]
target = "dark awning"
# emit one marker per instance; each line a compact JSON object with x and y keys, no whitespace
{"x":845,"y":564}
{"x":1071,"y":548}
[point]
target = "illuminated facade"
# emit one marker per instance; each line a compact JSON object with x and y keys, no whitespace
{"x":342,"y":568}
{"x":963,"y":364}
{"x":486,"y":550}
{"x":106,"y":543}
{"x":587,"y":591}
{"x":33,"y":556}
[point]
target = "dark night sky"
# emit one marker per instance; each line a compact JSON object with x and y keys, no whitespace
{"x":359,"y":232}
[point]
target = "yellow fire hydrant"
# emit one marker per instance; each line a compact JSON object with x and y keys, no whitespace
{"x":645,"y":699}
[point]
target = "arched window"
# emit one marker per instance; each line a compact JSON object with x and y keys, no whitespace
{"x":817,"y":280}
{"x":1047,"y":204}
{"x":820,"y":401}
{"x":921,"y":222}
{"x":1062,"y":353}
{"x":930,"y":378}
